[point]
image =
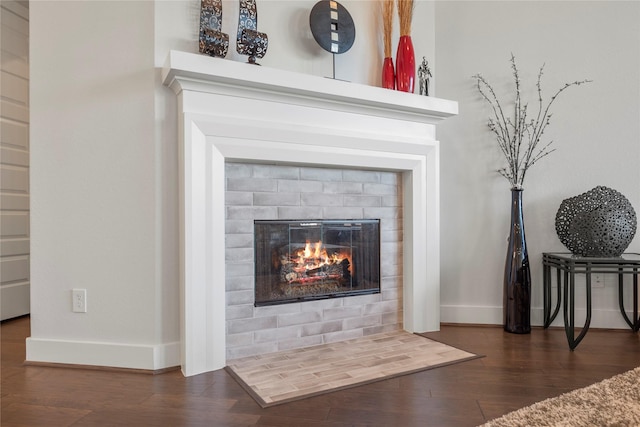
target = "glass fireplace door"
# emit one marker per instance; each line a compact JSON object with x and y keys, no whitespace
{"x":309,"y":260}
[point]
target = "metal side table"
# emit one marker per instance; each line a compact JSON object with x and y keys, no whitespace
{"x":567,"y":266}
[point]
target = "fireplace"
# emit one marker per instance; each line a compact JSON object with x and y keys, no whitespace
{"x":308,"y":260}
{"x":230,"y":114}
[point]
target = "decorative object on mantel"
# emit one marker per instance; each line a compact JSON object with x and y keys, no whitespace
{"x":388,"y":72}
{"x":518,"y":138}
{"x":598,"y":223}
{"x":424,"y":75}
{"x":250,"y":41}
{"x":332,"y":28}
{"x":213,"y":41}
{"x":405,"y":56}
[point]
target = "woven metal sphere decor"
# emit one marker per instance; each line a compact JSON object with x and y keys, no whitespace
{"x":598,"y":223}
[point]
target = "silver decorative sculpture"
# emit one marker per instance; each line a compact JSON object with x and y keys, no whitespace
{"x":250,"y":41}
{"x":598,"y":223}
{"x":424,"y":75}
{"x":213,"y":42}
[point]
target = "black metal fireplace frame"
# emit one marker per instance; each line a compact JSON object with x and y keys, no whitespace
{"x":329,"y":295}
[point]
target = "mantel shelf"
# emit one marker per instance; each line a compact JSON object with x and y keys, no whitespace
{"x":204,"y":73}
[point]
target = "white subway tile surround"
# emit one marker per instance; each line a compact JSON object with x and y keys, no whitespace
{"x":329,"y":193}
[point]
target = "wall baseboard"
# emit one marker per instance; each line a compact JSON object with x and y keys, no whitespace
{"x":608,"y":319}
{"x":129,"y":356}
{"x":103,"y":368}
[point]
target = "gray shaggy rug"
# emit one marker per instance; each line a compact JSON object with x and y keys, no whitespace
{"x":612,"y":402}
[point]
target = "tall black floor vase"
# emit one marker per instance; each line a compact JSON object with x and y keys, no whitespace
{"x":517,"y":274}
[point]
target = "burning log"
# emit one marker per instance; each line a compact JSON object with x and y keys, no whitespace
{"x":292,"y":273}
{"x":313,"y":264}
{"x":334,"y":271}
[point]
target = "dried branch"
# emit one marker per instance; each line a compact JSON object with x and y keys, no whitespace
{"x":518,"y":136}
{"x":405,"y":15}
{"x":387,"y":7}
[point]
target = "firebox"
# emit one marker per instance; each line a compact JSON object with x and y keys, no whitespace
{"x":309,"y":260}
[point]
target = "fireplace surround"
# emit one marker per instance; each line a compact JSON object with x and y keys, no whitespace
{"x":232,"y":112}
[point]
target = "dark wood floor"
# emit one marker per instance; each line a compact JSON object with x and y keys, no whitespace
{"x":517,"y":371}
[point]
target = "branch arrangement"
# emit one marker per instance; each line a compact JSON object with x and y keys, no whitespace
{"x":387,"y":25}
{"x":405,"y":15}
{"x":519,"y":136}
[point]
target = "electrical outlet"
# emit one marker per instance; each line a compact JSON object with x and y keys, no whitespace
{"x":597,"y":280}
{"x":79,"y":300}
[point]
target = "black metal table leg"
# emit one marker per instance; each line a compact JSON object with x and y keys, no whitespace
{"x":546,"y":289}
{"x":633,"y":322}
{"x":587,"y":321}
{"x":558,"y":295}
{"x":567,"y":309}
{"x":549,"y":317}
{"x":636,"y":325}
{"x":567,"y":266}
{"x":569,"y":312}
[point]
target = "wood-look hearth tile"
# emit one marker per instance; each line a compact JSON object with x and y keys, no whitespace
{"x":300,"y":372}
{"x":340,"y":376}
{"x":309,"y":390}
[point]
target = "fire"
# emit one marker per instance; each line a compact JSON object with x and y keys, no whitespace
{"x":313,"y":263}
{"x":314,"y":256}
{"x":318,"y":251}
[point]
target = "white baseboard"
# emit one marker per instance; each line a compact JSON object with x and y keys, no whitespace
{"x":600,"y":318}
{"x":471,"y":314}
{"x":147,"y":357}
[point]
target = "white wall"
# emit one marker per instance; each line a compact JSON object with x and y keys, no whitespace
{"x":595,"y":128}
{"x":104,"y":150}
{"x":97,"y":187}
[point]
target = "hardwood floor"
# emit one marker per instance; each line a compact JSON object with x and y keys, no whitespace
{"x":517,"y":371}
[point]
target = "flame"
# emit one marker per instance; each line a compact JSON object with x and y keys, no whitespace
{"x":314,"y":255}
{"x":318,"y":251}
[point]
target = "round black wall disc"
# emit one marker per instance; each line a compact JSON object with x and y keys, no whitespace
{"x":332,"y":26}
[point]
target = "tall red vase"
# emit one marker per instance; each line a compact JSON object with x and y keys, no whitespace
{"x":405,"y":65}
{"x":388,"y":74}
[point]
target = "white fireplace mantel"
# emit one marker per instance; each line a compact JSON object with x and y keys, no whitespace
{"x":231,"y":111}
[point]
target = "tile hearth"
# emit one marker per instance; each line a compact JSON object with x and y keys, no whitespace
{"x":291,"y":375}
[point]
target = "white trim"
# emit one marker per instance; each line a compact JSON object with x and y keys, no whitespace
{"x":148,"y":357}
{"x":215,"y":75}
{"x":466,"y":314}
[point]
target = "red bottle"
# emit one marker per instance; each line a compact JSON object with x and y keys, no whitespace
{"x":388,"y":74}
{"x":405,"y":65}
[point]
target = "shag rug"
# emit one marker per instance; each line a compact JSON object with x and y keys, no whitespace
{"x":612,"y":402}
{"x":285,"y":376}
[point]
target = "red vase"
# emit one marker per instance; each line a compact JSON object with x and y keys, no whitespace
{"x":405,"y":65}
{"x":388,"y":74}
